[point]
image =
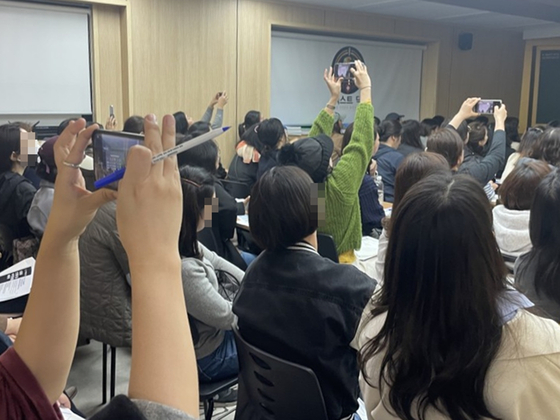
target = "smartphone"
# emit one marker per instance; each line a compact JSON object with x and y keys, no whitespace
{"x":111,"y":111}
{"x":110,"y":149}
{"x":486,"y":106}
{"x":343,"y":70}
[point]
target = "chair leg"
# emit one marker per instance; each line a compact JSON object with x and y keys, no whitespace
{"x":209,"y":409}
{"x":104,"y":376}
{"x":113,"y":371}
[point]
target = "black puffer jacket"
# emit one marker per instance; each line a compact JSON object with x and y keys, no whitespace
{"x":16,"y":195}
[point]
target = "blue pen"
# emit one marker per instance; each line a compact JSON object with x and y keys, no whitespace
{"x":180,"y":148}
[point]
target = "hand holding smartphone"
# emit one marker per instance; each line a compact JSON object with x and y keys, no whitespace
{"x":344,"y":70}
{"x":486,"y":106}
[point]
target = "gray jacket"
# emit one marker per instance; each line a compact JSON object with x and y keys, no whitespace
{"x":105,"y":306}
{"x":211,"y":315}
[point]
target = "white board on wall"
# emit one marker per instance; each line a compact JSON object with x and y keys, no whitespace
{"x":298,"y":91}
{"x":45,"y":59}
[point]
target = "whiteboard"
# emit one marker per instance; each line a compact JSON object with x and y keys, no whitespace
{"x":45,"y":59}
{"x":298,"y":91}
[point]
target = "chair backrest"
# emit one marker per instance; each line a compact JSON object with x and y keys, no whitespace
{"x":327,"y":247}
{"x":236,"y":189}
{"x":276,"y":388}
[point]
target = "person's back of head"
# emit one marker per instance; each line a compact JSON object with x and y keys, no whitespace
{"x":548,"y":148}
{"x":512,"y":130}
{"x":10,"y":144}
{"x":205,"y":156}
{"x":251,"y":118}
{"x":350,"y":131}
{"x":443,"y":327}
{"x":428,"y":127}
{"x":312,"y":154}
{"x":518,"y":190}
{"x":482,"y":119}
{"x":198,"y":191}
{"x":390,"y":130}
{"x":544,"y":228}
{"x":199,"y":128}
{"x":530,"y":141}
{"x":477,"y":137}
{"x":46,"y":167}
{"x":271,"y":135}
{"x":447,"y":143}
{"x":284,"y":208}
{"x":413,"y":169}
{"x":554,"y":124}
{"x":181,"y":122}
{"x":411,"y":132}
{"x":438,"y":119}
{"x":134,"y":124}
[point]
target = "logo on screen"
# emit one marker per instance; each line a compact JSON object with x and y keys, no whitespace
{"x":342,"y":64}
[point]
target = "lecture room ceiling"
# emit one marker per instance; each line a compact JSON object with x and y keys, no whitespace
{"x":522,"y":15}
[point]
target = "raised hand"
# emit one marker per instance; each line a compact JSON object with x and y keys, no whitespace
{"x":500,"y":115}
{"x":223,"y":100}
{"x":74,"y":206}
{"x":111,"y":123}
{"x":467,"y":108}
{"x":360,"y":73}
{"x":334,"y":84}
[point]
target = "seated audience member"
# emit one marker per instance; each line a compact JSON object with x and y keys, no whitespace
{"x":210,"y":313}
{"x":150,"y":196}
{"x":245,"y":163}
{"x":290,"y":290}
{"x":394,"y":116}
{"x":511,"y":217}
{"x":438,"y":120}
{"x":43,"y":199}
{"x":134,"y":124}
{"x":271,"y":136}
{"x":411,"y":141}
{"x":447,"y":143}
{"x":414,"y":168}
{"x":537,"y":273}
{"x":341,"y":185}
{"x":480,"y":167}
{"x":371,"y":209}
{"x":527,"y":147}
{"x":182,"y":122}
{"x":548,"y":148}
{"x":387,"y":157}
{"x":224,"y":221}
{"x":16,"y":192}
{"x":446,"y":336}
{"x":512,"y":135}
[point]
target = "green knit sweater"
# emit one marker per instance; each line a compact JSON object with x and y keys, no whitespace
{"x":342,"y":203}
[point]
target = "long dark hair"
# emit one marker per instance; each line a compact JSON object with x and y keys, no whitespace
{"x":548,"y":148}
{"x":545,"y":236}
{"x":198,"y":190}
{"x":530,"y":141}
{"x":411,"y":130}
{"x":251,"y":118}
{"x":10,"y":135}
{"x":443,"y":277}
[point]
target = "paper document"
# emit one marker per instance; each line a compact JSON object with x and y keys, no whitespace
{"x":243,"y":221}
{"x":16,"y":281}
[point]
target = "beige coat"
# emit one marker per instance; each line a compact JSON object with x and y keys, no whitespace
{"x":523,"y":383}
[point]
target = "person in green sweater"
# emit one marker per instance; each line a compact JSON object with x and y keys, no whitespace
{"x":312,"y":154}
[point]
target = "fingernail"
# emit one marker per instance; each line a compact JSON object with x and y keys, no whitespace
{"x":152,"y":118}
{"x":168,"y":121}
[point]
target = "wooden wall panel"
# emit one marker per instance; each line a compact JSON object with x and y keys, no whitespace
{"x":107,"y":62}
{"x":183,"y":52}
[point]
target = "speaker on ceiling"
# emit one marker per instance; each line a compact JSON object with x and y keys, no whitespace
{"x":465,"y":41}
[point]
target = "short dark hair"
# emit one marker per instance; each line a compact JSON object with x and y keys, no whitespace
{"x":447,"y":143}
{"x":438,"y":119}
{"x":62,"y":126}
{"x":411,"y":131}
{"x":388,"y":129}
{"x":198,"y":189}
{"x":283,"y":208}
{"x":518,"y":190}
{"x":251,"y":118}
{"x":10,"y":138}
{"x":270,"y":132}
{"x":549,"y":146}
{"x":413,"y":169}
{"x":134,"y":124}
{"x":203,"y":156}
{"x":477,"y":132}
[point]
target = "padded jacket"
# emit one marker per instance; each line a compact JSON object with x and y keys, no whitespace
{"x":105,"y":305}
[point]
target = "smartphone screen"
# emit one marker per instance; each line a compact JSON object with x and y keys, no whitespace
{"x":110,"y":150}
{"x":486,"y":106}
{"x":343,"y":70}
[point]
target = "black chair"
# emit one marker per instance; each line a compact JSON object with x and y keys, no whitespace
{"x":209,"y":391}
{"x":276,"y":388}
{"x":327,"y":247}
{"x":236,"y":189}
